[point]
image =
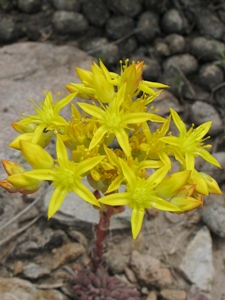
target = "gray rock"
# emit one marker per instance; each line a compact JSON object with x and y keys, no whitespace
{"x":96,"y":12}
{"x":127,"y":47}
{"x":126,"y":7}
{"x":210,"y":25}
{"x":157,"y":6}
{"x":216,"y":173}
{"x":201,"y":112}
{"x":162,"y":49}
{"x":176,"y":43}
{"x":29,"y":6}
{"x":196,"y":294}
{"x":77,"y":212}
{"x":9,"y":30}
{"x":119,"y":26}
{"x":197,"y":263}
{"x":17,"y":289}
{"x":210,"y":76}
{"x":69,"y":5}
{"x":101,"y":48}
{"x":116,"y":262}
{"x":69,"y":22}
{"x":35,"y":271}
{"x":147,"y":27}
{"x":165,"y":101}
{"x":149,"y":271}
{"x":26,"y":249}
{"x":206,"y":49}
{"x":152,"y":69}
{"x":173,"y":21}
{"x":213,"y":216}
{"x":185,"y":62}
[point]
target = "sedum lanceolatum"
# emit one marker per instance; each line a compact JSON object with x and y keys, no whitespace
{"x":118,"y":111}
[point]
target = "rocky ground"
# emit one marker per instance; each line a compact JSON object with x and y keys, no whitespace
{"x":183,"y":44}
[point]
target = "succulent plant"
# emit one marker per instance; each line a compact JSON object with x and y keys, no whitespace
{"x":101,"y":286}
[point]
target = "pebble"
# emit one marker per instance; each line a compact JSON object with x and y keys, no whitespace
{"x":34,"y":271}
{"x":176,"y":43}
{"x":116,"y":262}
{"x":187,"y":63}
{"x":130,"y":275}
{"x":9,"y":30}
{"x":167,"y":294}
{"x":173,"y":21}
{"x":197,"y":263}
{"x":152,"y":70}
{"x":210,"y":76}
{"x":29,"y":6}
{"x":19,"y":289}
{"x":162,"y":49}
{"x":127,"y":7}
{"x":127,"y":47}
{"x":96,"y":12}
{"x":152,"y":296}
{"x":206,"y":49}
{"x":196,"y":294}
{"x":201,"y":112}
{"x":148,"y":270}
{"x":147,"y":27}
{"x":68,"y":22}
{"x":210,"y":25}
{"x":118,"y":27}
{"x":165,"y":101}
{"x":213,"y":215}
{"x":67,"y":253}
{"x":68,"y":5}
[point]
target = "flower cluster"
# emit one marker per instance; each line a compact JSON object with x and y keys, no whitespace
{"x":118,"y":112}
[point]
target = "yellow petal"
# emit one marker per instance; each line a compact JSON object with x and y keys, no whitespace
{"x":136,"y":221}
{"x":56,"y":201}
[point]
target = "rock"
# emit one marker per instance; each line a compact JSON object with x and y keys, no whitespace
{"x":127,"y":7}
{"x":216,"y":173}
{"x":67,"y":253}
{"x":119,"y":26}
{"x":176,"y":43}
{"x":210,"y":76}
{"x":9,"y":30}
{"x":35,"y":271}
{"x":29,"y":6}
{"x":127,"y":47}
{"x":96,"y":12}
{"x":116,"y":262}
{"x":68,"y":22}
{"x":152,"y":296}
{"x":18,"y":289}
{"x":173,"y":294}
{"x":69,"y":5}
{"x":209,"y":24}
{"x":187,"y":63}
{"x":213,"y":215}
{"x":26,"y":249}
{"x":149,"y":271}
{"x":130,"y":275}
{"x":202,"y":112}
{"x":173,"y":21}
{"x":197,"y":294}
{"x":206,"y":49}
{"x":147,"y":27}
{"x":197,"y":263}
{"x":155,"y":5}
{"x":77,"y":212}
{"x":195,"y":92}
{"x":152,"y":69}
{"x":78,"y":237}
{"x":165,"y":101}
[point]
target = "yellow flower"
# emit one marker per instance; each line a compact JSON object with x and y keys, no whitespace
{"x":189,"y":144}
{"x":140,"y":194}
{"x":113,"y":120}
{"x":66,"y":177}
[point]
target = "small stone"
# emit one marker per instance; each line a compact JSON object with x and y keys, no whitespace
{"x":147,"y":27}
{"x":202,"y":112}
{"x":165,"y":101}
{"x":162,"y":49}
{"x":18,"y":267}
{"x":26,"y":249}
{"x":197,"y":263}
{"x":127,"y":47}
{"x":210,"y":25}
{"x":197,"y":294}
{"x":29,"y":6}
{"x":176,"y":43}
{"x":152,"y":69}
{"x":156,"y":5}
{"x":210,"y":76}
{"x":96,"y":12}
{"x":213,"y":215}
{"x":126,"y":7}
{"x":206,"y":49}
{"x":173,"y":21}
{"x":152,"y":296}
{"x":187,"y":63}
{"x":130,"y":275}
{"x":173,"y":294}
{"x":78,"y":237}
{"x":119,"y":26}
{"x":67,"y":253}
{"x":69,"y":5}
{"x":35,"y":271}
{"x":69,"y":22}
{"x":116,"y":262}
{"x":149,"y":271}
{"x":9,"y":31}
{"x":216,"y":173}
